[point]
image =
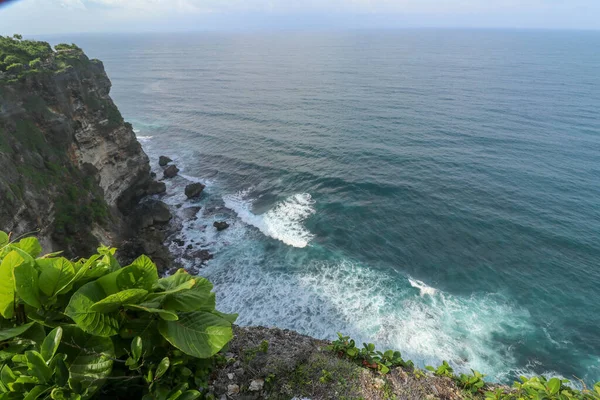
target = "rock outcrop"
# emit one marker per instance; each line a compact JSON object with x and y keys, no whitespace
{"x":220,"y":225}
{"x":163,"y":161}
{"x":170,"y":172}
{"x":194,"y":190}
{"x":71,"y":168}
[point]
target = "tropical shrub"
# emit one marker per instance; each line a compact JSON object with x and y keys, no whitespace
{"x":75,"y":330}
{"x":534,"y":388}
{"x":367,"y":356}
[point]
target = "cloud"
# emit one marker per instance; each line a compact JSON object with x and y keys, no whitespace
{"x":66,"y":16}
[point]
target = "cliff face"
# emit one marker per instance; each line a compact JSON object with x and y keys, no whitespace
{"x":70,"y":166}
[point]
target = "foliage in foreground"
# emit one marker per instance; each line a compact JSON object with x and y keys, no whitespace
{"x":534,"y":388}
{"x":73,"y":330}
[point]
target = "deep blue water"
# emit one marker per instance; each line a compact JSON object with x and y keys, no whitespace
{"x":435,"y":192}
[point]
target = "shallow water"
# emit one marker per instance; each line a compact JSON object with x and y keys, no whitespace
{"x":435,"y":192}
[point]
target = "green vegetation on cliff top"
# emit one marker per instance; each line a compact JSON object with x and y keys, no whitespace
{"x":19,"y":58}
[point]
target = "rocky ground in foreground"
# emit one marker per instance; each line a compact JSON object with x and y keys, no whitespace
{"x":270,"y":363}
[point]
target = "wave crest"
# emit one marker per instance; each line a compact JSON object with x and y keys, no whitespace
{"x":283,"y":222}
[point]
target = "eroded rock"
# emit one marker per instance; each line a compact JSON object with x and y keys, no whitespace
{"x":163,"y":161}
{"x":171,"y":171}
{"x":194,"y":190}
{"x":220,"y":225}
{"x":156,"y":188}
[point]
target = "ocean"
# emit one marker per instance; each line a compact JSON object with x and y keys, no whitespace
{"x":435,"y":192}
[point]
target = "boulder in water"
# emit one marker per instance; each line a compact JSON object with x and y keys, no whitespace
{"x":203,"y":255}
{"x":156,"y":188}
{"x":171,"y":171}
{"x":194,"y":190}
{"x":163,"y":161}
{"x":220,"y":225}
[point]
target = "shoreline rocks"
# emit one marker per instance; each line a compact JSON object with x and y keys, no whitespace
{"x":171,"y":171}
{"x":220,"y":225}
{"x":194,"y":190}
{"x":156,"y":187}
{"x":164,"y":160}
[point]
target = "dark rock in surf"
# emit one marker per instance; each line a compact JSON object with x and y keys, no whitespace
{"x":156,"y":188}
{"x":179,"y":242}
{"x":163,"y":161}
{"x":220,"y":225}
{"x":203,"y":255}
{"x":171,"y":171}
{"x":194,"y":190}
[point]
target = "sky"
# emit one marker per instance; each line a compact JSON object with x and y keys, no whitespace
{"x":31,"y":17}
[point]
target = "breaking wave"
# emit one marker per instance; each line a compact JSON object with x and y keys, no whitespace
{"x":283,"y":222}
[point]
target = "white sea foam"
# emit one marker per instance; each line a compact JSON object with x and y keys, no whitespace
{"x":144,"y":138}
{"x":423,"y":288}
{"x":369,"y":305}
{"x":283,"y":222}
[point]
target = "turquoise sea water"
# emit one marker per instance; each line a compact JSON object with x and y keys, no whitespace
{"x":436,"y":192}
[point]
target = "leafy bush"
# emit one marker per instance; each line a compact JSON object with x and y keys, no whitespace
{"x":472,"y":383}
{"x":37,"y":63}
{"x":443,"y":370}
{"x":71,"y":330}
{"x":367,"y":356}
{"x":534,"y":388}
{"x":14,"y":68}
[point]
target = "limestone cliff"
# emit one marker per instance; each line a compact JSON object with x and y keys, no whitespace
{"x":70,"y":166}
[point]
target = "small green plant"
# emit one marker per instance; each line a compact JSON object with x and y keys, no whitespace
{"x":250,"y":354}
{"x":69,"y":330}
{"x":367,"y":356}
{"x":541,"y":388}
{"x":443,"y":370}
{"x":472,"y":383}
{"x":325,"y":377}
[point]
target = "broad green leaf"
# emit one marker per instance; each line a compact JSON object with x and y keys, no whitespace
{"x":114,"y":301}
{"x":597,"y":388}
{"x":163,"y":366}
{"x":55,"y":276}
{"x":199,"y":334}
{"x":136,"y":348}
{"x":3,"y":238}
{"x":10,"y":333}
{"x":50,"y":344}
{"x":37,"y":367}
{"x":79,"y":309}
{"x":142,"y":274}
{"x":180,"y":278}
{"x":7,"y":283}
{"x":554,"y":385}
{"x":199,"y":297}
{"x":7,"y":375}
{"x":30,"y":245}
{"x":189,"y":395}
{"x":229,"y":317}
{"x":36,"y":392}
{"x":89,"y":358}
{"x":81,"y":270}
{"x":26,"y":284}
{"x":164,"y":314}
